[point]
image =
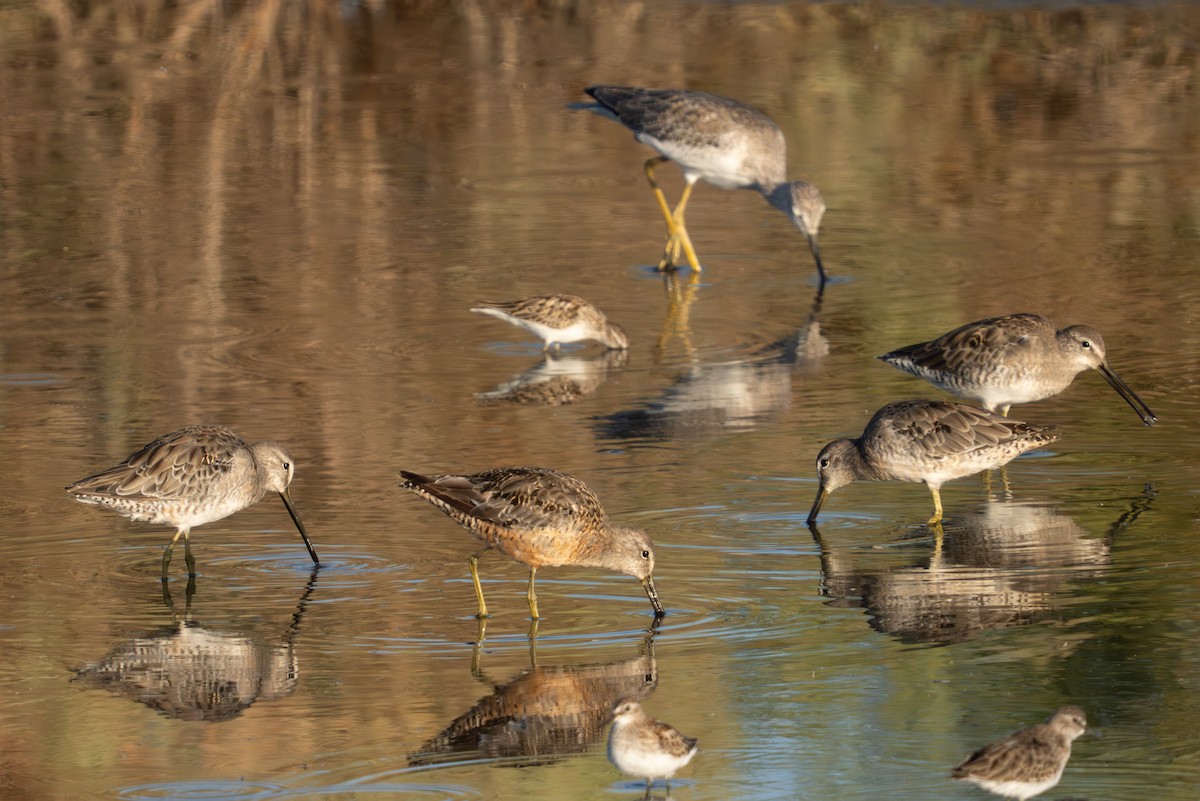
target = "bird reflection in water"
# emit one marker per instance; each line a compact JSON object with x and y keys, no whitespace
{"x":731,"y":395}
{"x":1002,"y":568}
{"x":190,"y":672}
{"x":544,"y":713}
{"x":556,"y":380}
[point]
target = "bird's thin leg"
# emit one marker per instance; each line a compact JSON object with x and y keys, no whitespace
{"x":531,"y":595}
{"x":681,"y":232}
{"x":672,"y":234}
{"x":187,"y":553}
{"x":167,"y":553}
{"x":937,"y":505}
{"x":474,"y":564}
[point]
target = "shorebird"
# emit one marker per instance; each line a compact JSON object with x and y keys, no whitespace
{"x":539,"y":517}
{"x":190,"y":477}
{"x":644,"y":747}
{"x":1026,"y":763}
{"x":930,"y":441}
{"x":1018,"y":358}
{"x":721,"y":140}
{"x":558,"y":319}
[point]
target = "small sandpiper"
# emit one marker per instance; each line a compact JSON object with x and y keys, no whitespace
{"x":644,"y":747}
{"x":558,"y":320}
{"x":1026,"y":763}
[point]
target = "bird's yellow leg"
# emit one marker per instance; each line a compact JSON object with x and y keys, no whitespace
{"x":531,"y":595}
{"x":474,"y":564}
{"x":937,"y":506}
{"x":167,"y":553}
{"x":681,"y":233}
{"x":672,"y":245}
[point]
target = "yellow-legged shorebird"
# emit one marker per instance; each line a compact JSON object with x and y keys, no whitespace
{"x":541,"y":518}
{"x":930,"y":441}
{"x":716,"y":138}
{"x":558,"y":319}
{"x":1018,"y":358}
{"x":644,"y":747}
{"x":1026,"y":763}
{"x":190,"y":477}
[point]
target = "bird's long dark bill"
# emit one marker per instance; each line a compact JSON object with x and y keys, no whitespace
{"x":287,"y":501}
{"x":816,"y":251}
{"x":822,"y":494}
{"x":652,"y":594}
{"x":1129,"y":395}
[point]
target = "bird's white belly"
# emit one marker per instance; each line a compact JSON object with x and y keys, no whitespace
{"x":651,"y":765}
{"x":723,"y":167}
{"x":1017,"y":789}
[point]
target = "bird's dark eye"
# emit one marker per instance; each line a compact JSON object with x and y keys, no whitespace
{"x":1085,"y":343}
{"x":645,"y":554}
{"x":822,"y":463}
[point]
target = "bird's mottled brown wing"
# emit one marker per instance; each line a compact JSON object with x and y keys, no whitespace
{"x":678,"y":114}
{"x":983,"y":343}
{"x":670,"y":740}
{"x":172,"y":466}
{"x":1025,"y":756}
{"x":944,"y":429}
{"x":558,"y":311}
{"x":532,"y":497}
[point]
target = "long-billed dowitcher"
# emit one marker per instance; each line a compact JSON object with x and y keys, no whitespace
{"x":1017,"y":358}
{"x":644,"y":747}
{"x":725,"y":142}
{"x":539,"y":517}
{"x":930,"y":441}
{"x":558,"y":319}
{"x":1028,"y":762}
{"x":190,"y":477}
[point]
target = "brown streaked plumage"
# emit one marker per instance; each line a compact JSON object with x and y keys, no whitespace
{"x":558,"y":319}
{"x":1026,"y":763}
{"x":721,"y":140}
{"x":539,"y":517}
{"x":190,"y":477}
{"x":930,"y":441}
{"x":1018,"y":358}
{"x":642,"y":746}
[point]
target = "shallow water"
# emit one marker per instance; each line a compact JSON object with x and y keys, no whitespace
{"x":275,"y":216}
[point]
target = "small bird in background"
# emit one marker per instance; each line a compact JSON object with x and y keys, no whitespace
{"x":558,"y":320}
{"x":1026,"y":763}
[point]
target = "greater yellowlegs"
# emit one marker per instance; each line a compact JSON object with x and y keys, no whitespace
{"x":716,"y":138}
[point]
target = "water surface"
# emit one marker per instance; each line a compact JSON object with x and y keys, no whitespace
{"x":275,"y":216}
